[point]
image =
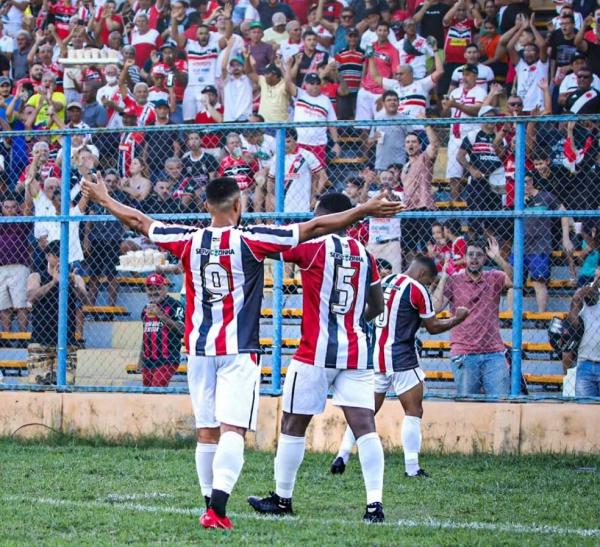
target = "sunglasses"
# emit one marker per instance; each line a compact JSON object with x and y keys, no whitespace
{"x":347,"y":16}
{"x":585,"y":76}
{"x":515,"y":104}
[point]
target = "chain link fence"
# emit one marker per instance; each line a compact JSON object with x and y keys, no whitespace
{"x":505,"y":208}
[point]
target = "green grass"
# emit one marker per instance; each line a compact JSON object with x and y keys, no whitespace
{"x":65,"y":491}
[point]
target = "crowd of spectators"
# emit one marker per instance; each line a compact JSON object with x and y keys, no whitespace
{"x":208,"y":61}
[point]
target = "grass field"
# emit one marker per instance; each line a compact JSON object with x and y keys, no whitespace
{"x":75,"y":492}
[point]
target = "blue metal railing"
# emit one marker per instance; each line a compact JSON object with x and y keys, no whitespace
{"x":518,"y":214}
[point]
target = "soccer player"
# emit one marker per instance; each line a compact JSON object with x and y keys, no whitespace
{"x":407,"y":306}
{"x":341,"y":289}
{"x":224,"y":272}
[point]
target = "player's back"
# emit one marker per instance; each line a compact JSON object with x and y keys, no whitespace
{"x":406,"y":303}
{"x":224,"y":278}
{"x":337,"y":273}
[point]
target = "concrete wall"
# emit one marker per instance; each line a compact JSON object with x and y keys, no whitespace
{"x":447,"y":426}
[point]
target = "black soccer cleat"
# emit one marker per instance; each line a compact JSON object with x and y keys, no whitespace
{"x":420,"y":473}
{"x":338,"y":466}
{"x":207,"y":501}
{"x":374,"y":513}
{"x":271,"y":505}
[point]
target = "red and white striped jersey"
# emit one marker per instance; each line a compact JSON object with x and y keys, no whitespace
{"x":224,"y":277}
{"x":146,"y":115}
{"x":202,"y":61}
{"x":337,"y":273}
{"x":407,"y":302}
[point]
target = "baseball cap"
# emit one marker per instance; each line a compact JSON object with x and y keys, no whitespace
{"x":73,"y":105}
{"x":273,"y":69}
{"x":578,"y":56}
{"x":255,"y":24}
{"x":470,"y":68}
{"x":209,"y":89}
{"x":487,"y":110}
{"x":156,"y":280}
{"x":278,"y":19}
{"x":167,"y":45}
{"x":4,"y":80}
{"x":159,"y":70}
{"x":352,"y":30}
{"x":160,"y":102}
{"x":236,"y":59}
{"x":312,"y":78}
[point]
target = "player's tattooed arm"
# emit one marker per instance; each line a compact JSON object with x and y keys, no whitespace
{"x":96,"y":190}
{"x":378,"y":206}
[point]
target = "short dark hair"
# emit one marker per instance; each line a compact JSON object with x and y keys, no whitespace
{"x":472,"y":45}
{"x":53,"y":248}
{"x":221,"y":189}
{"x":9,"y":196}
{"x":428,"y":263}
{"x":383,"y":23}
{"x":540,"y":154}
{"x":333,"y":202}
{"x":569,"y":16}
{"x":389,"y":93}
{"x":412,"y":134}
{"x":309,"y":32}
{"x":454,"y":225}
{"x":291,"y":132}
{"x":479,"y":243}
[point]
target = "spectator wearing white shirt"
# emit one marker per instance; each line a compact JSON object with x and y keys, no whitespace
{"x":237,"y":87}
{"x":530,"y":68}
{"x":7,"y":43}
{"x":288,"y":48}
{"x":485,"y":75}
{"x":312,"y":106}
{"x":414,"y":49}
{"x":569,"y":84}
{"x":370,"y":35}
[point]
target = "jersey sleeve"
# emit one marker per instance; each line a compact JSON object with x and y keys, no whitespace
{"x":171,"y":237}
{"x":466,"y":144}
{"x":313,"y":163}
{"x":302,"y":255}
{"x":459,"y":249}
{"x":420,"y":300}
{"x":331,"y":115}
{"x":267,"y":240}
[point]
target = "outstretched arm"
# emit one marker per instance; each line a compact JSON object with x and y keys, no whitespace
{"x":132,"y":218}
{"x":435,"y":325}
{"x":319,"y":226}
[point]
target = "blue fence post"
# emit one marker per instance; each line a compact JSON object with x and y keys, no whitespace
{"x":518,"y":252}
{"x":63,"y":284}
{"x":278,"y":269}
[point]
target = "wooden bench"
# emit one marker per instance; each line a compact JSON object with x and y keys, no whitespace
{"x":105,"y":311}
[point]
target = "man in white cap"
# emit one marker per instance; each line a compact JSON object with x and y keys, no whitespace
{"x":278,"y":32}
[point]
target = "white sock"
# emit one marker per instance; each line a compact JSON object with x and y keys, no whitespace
{"x":348,"y":442}
{"x":205,"y":454}
{"x":228,"y":461}
{"x":370,"y":453}
{"x":290,"y":453}
{"x":411,"y":443}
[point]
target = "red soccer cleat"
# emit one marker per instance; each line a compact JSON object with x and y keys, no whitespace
{"x":211,"y":520}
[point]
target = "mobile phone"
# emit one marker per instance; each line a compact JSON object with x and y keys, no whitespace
{"x":170,"y":80}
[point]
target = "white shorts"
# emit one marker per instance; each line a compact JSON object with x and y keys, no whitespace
{"x":224,"y":390}
{"x":454,"y":170}
{"x":306,"y":386}
{"x":365,"y":105}
{"x":191,"y":104}
{"x":401,"y":381}
{"x":13,"y":286}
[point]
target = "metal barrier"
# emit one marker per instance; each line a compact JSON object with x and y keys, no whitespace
{"x":460,"y":214}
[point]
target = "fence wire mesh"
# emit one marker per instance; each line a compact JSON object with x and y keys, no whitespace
{"x":125,"y":308}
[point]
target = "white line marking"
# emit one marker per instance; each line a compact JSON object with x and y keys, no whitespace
{"x":303,"y":521}
{"x":120,"y":498}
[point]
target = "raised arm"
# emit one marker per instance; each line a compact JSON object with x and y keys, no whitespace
{"x":290,"y":75}
{"x":539,"y":39}
{"x":132,"y":218}
{"x":580,"y":42}
{"x":447,"y":20}
{"x":418,"y":16}
{"x":179,"y":39}
{"x":377,"y":206}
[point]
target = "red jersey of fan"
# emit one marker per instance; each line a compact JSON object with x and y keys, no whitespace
{"x":240,"y":169}
{"x":178,"y":88}
{"x":62,"y":13}
{"x":387,"y":60}
{"x":130,"y":147}
{"x":337,"y":273}
{"x":145,"y":112}
{"x":224,"y":275}
{"x":209,"y":140}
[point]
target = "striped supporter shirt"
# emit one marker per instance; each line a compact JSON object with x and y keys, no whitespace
{"x":337,"y":273}
{"x":407,"y":303}
{"x":202,"y":61}
{"x":224,"y":281}
{"x":350,"y":66}
{"x":313,"y":109}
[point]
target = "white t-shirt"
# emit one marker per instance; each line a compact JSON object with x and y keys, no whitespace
{"x":470,"y":97}
{"x":112,"y":93}
{"x":413,"y":98}
{"x":384,"y":229}
{"x":417,"y":62}
{"x":288,"y":49}
{"x":528,"y":77}
{"x":202,"y":61}
{"x":589,"y":347}
{"x":7,"y":44}
{"x":322,"y":32}
{"x":300,"y":166}
{"x":313,"y":109}
{"x":263,"y":152}
{"x":485,"y":76}
{"x":569,"y":83}
{"x":237,"y":98}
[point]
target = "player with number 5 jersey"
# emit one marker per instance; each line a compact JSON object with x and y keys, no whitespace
{"x":223,"y":266}
{"x":341,"y":290}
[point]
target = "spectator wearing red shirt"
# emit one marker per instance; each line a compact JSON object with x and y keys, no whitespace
{"x":131,"y":144}
{"x":138,"y":101}
{"x":439,"y":249}
{"x":144,"y":39}
{"x":239,"y":165}
{"x":177,"y":69}
{"x":42,"y":53}
{"x":59,"y":14}
{"x":458,"y":246}
{"x":106,"y":21}
{"x":350,"y":62}
{"x":460,"y":30}
{"x":40,"y":166}
{"x":387,"y":61}
{"x":333,"y":85}
{"x":212,"y":112}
